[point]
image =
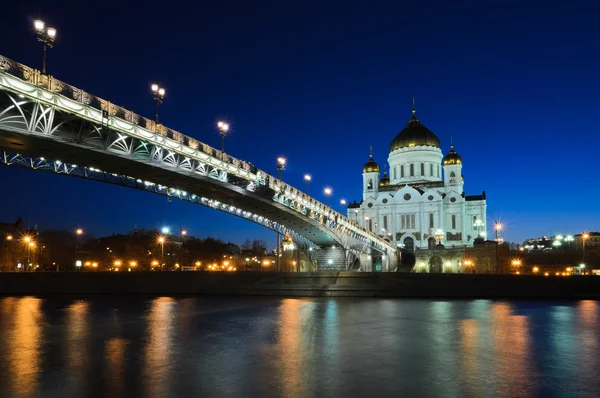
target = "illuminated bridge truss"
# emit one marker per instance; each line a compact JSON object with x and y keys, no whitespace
{"x":36,"y":106}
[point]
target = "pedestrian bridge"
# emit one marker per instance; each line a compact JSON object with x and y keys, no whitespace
{"x":48,"y":125}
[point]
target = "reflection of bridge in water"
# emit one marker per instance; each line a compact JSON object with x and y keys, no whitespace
{"x":48,"y":125}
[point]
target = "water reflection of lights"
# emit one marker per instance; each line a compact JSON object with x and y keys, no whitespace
{"x":78,"y":334}
{"x":469,"y":364}
{"x":115,"y":361}
{"x":25,"y":343}
{"x":290,"y":345}
{"x":512,"y":350}
{"x":158,"y":350}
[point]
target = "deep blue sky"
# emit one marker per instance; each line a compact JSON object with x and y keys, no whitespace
{"x":515,"y":83}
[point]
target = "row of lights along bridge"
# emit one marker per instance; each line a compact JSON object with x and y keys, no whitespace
{"x":47,"y":36}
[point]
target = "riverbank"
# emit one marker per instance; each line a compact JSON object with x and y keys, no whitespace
{"x":330,"y":284}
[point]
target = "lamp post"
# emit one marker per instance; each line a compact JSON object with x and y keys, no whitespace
{"x":78,"y":233}
{"x":159,"y":95}
{"x":439,"y":235}
{"x":45,"y":35}
{"x":9,"y":239}
{"x":30,"y":246}
{"x":182,"y":235}
{"x":161,"y":241}
{"x":343,"y":203}
{"x":585,"y":236}
{"x":498,"y":227}
{"x":280,"y":167}
{"x":26,"y":242}
{"x":478,"y":225}
{"x":223,"y":130}
{"x":327,"y":191}
{"x":307,"y":179}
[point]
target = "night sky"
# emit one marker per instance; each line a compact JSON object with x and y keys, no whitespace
{"x":515,"y":83}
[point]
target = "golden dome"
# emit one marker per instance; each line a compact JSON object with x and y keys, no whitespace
{"x":414,"y":134}
{"x":371,"y":166}
{"x":385,"y":180}
{"x":452,"y":157}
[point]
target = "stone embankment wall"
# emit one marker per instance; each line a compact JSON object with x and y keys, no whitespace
{"x":329,"y":284}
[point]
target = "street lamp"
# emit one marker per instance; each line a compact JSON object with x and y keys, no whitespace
{"x":78,"y":233}
{"x":307,"y":179}
{"x":45,"y":35}
{"x":161,"y":241}
{"x":439,"y":235}
{"x":343,"y":203}
{"x":498,"y":227}
{"x":585,"y":236}
{"x":280,"y":166}
{"x":516,"y":263}
{"x":9,"y":239}
{"x":223,"y":130}
{"x":327,"y":191}
{"x":478,"y":224}
{"x":159,"y":95}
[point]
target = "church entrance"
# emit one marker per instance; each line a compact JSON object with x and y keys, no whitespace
{"x":409,"y":244}
{"x":435,"y":264}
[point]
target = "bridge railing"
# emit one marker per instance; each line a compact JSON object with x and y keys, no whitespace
{"x":109,"y":109}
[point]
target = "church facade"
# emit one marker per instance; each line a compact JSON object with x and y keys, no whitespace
{"x":421,"y":204}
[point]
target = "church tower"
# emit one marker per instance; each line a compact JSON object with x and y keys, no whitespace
{"x":370,"y":178}
{"x":453,"y":178}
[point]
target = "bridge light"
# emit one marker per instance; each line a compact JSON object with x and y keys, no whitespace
{"x":46,"y":37}
{"x":39,"y":25}
{"x":165,"y":230}
{"x":223,"y":129}
{"x":159,"y":94}
{"x":327,"y":191}
{"x":280,"y":166}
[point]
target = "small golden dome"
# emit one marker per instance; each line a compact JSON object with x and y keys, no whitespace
{"x":371,"y":166}
{"x":385,"y":180}
{"x":452,"y":157}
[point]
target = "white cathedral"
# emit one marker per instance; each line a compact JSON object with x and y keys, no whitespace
{"x":419,"y":205}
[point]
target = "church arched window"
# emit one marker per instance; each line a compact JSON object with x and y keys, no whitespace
{"x":452,"y":177}
{"x":430,"y":220}
{"x":453,"y":221}
{"x":438,"y":172}
{"x":370,"y":184}
{"x":394,"y":172}
{"x":422,"y":169}
{"x":385,"y":223}
{"x":412,"y":170}
{"x":402,"y":171}
{"x":431,"y":169}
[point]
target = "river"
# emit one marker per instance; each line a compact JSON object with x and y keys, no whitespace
{"x":270,"y":347}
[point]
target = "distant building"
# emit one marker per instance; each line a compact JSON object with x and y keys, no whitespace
{"x":9,"y":249}
{"x":556,"y":242}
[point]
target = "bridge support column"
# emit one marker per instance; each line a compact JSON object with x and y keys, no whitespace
{"x":393,"y":262}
